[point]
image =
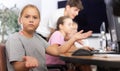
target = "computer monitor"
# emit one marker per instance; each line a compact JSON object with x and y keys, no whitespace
{"x":113,"y":15}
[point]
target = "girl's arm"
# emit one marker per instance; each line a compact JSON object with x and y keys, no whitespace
{"x":27,"y":63}
{"x":56,"y":49}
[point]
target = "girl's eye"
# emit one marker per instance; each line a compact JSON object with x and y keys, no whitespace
{"x":27,"y":16}
{"x":35,"y":17}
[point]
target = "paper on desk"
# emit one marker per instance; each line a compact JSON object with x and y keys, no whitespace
{"x":107,"y":55}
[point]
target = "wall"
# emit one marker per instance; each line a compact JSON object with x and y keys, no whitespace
{"x":20,"y":3}
{"x":45,"y":6}
{"x":48,"y":7}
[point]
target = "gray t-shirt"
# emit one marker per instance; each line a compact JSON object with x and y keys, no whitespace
{"x":18,"y":46}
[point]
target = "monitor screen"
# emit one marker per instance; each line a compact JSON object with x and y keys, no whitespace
{"x":114,"y":21}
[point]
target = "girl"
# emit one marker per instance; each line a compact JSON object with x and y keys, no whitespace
{"x":64,"y":27}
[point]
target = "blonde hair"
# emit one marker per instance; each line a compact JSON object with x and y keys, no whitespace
{"x":61,"y":21}
{"x":28,"y":6}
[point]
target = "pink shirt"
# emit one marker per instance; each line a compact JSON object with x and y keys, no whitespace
{"x":56,"y":38}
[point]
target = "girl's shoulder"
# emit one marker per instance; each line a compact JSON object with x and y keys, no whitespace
{"x":16,"y":34}
{"x":13,"y":37}
{"x":56,"y":32}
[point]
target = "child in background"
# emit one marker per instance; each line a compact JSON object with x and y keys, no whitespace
{"x":79,"y":43}
{"x":64,"y":27}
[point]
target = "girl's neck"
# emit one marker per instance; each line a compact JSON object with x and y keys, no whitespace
{"x":63,"y":33}
{"x":29,"y":35}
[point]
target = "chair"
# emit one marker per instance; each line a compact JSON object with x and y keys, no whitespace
{"x":3,"y":66}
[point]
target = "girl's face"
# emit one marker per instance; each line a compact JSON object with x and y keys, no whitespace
{"x":67,"y":25}
{"x":75,"y":27}
{"x":30,"y":19}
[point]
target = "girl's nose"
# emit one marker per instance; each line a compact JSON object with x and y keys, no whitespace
{"x":31,"y":20}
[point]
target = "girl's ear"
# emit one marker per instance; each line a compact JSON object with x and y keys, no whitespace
{"x":60,"y":26}
{"x":19,"y":21}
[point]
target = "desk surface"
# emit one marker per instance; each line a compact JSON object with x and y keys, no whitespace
{"x":108,"y":60}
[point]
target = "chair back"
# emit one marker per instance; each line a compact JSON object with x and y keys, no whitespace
{"x":3,"y":65}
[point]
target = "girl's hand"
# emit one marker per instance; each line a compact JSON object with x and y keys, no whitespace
{"x":30,"y":62}
{"x":80,"y":42}
{"x":80,"y":35}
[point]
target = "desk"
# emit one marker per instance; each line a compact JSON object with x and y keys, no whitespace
{"x":100,"y":60}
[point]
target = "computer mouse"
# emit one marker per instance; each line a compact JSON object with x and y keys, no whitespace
{"x":82,"y":52}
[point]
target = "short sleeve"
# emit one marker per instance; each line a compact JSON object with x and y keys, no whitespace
{"x":14,"y":49}
{"x":56,"y":38}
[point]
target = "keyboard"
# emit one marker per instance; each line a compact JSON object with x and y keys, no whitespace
{"x":103,"y":52}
